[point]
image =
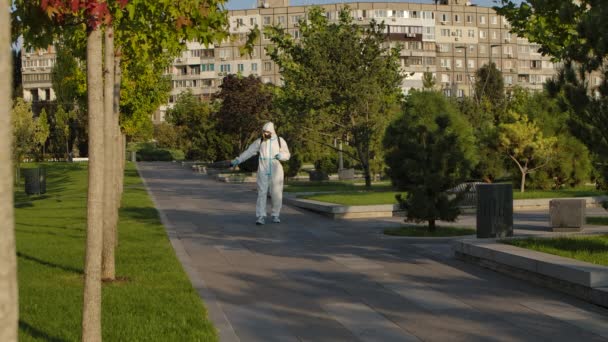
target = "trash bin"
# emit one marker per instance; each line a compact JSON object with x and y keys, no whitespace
{"x":35,"y":181}
{"x":133,"y":156}
{"x":494,"y":210}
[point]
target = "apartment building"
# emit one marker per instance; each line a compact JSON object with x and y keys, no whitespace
{"x":36,"y":68}
{"x":451,"y":39}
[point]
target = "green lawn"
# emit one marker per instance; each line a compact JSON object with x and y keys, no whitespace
{"x":585,"y":191}
{"x":154,"y":301}
{"x":341,"y":186}
{"x":423,"y":231}
{"x":598,"y":220}
{"x":356,"y":198}
{"x":592,"y":249}
{"x":347,"y":194}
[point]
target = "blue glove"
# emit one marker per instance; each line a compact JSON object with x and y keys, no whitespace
{"x":234,"y":162}
{"x":277,"y":157}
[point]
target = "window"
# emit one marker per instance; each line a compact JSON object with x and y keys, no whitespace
{"x":444,"y":17}
{"x":224,"y":67}
{"x":535,"y":64}
{"x":267,"y":20}
{"x":267,"y":66}
{"x":444,"y":47}
{"x":523,"y":49}
{"x":445,"y":62}
{"x":428,"y":15}
{"x":296,"y":34}
{"x":224,"y":54}
{"x":494,"y":20}
{"x":239,"y":22}
{"x":429,"y":33}
{"x":182,"y":70}
{"x":253,"y":21}
{"x":445,"y":78}
{"x":458,"y":63}
{"x":241,"y":67}
{"x":456,"y":18}
{"x":471,"y":63}
{"x":399,"y":14}
{"x":508,"y":79}
{"x":445,"y":32}
{"x":482,"y":34}
{"x":254,"y":67}
{"x":460,"y":92}
{"x":469,"y":19}
{"x":447,"y":92}
{"x":494,"y":35}
{"x":458,"y":33}
{"x":482,"y":19}
{"x":295,"y":19}
{"x":508,"y":64}
{"x":281,"y":20}
{"x":206,"y":83}
{"x":471,"y":33}
{"x":195,"y":70}
{"x":379,"y":13}
{"x":508,"y":50}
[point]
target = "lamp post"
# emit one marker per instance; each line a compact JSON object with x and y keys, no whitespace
{"x":466,"y":66}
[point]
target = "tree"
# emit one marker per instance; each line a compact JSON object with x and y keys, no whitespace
{"x":165,"y":135}
{"x":490,"y":84}
{"x":23,"y":132}
{"x":42,"y":130}
{"x":9,"y":302}
{"x":340,"y":81}
{"x":245,"y":104}
{"x":428,"y":80}
{"x":197,"y":131}
{"x":430,"y":149}
{"x":574,"y":33}
{"x":63,"y":119}
{"x":523,"y":142}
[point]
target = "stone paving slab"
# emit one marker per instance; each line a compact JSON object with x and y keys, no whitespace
{"x":297,"y":280}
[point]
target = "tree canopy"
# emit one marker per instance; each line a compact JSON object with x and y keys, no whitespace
{"x":340,"y":79}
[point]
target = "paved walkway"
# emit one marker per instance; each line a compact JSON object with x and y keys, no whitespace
{"x":314,"y":279}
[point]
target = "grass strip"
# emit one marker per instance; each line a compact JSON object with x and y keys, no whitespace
{"x":593,"y":249}
{"x":153,"y":299}
{"x":598,"y":220}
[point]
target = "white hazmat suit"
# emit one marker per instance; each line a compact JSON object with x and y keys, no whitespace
{"x":270,"y":171}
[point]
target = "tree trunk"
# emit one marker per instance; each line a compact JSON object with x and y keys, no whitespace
{"x":432,"y":226}
{"x":118,"y":164}
{"x":108,"y":269}
{"x":120,"y":157}
{"x":9,"y":304}
{"x":523,"y":182}
{"x":91,"y":313}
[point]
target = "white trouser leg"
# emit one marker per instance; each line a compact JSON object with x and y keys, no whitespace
{"x":260,"y":208}
{"x":276,"y":189}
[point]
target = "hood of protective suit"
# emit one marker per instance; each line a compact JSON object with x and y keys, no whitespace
{"x":269,"y":126}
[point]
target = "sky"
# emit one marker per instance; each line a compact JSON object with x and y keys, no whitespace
{"x":247,"y":4}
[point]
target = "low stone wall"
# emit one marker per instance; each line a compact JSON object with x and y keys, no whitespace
{"x":580,"y":279}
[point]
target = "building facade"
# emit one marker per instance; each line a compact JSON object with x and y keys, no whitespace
{"x":36,"y":70}
{"x":451,"y":39}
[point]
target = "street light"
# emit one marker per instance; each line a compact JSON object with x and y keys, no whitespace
{"x":466,"y":66}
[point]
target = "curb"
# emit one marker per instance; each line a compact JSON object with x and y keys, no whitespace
{"x":583,"y":280}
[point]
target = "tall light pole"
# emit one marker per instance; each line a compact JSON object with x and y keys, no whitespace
{"x":466,"y":66}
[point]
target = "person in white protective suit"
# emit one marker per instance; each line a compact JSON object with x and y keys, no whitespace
{"x":272,"y":150}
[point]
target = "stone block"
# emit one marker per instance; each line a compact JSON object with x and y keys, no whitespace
{"x":494,"y":210}
{"x":567,"y":214}
{"x":346,"y":174}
